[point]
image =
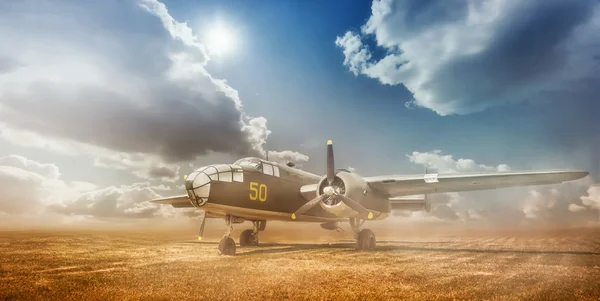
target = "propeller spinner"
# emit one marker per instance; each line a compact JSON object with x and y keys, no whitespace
{"x":331,"y":191}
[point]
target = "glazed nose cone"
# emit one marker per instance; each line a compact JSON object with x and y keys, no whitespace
{"x":197,"y":185}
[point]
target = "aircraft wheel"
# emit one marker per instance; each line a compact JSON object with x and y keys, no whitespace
{"x":365,"y":240}
{"x":248,"y":238}
{"x":227,"y":246}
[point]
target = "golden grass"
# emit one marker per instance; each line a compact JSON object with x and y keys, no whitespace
{"x":170,"y":265}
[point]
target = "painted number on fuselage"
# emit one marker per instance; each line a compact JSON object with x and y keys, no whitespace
{"x":258,"y":192}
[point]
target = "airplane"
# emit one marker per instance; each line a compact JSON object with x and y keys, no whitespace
{"x":257,"y":190}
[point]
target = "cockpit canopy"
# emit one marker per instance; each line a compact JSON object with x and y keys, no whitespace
{"x":266,"y":167}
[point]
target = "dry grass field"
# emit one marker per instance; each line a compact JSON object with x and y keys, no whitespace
{"x":298,"y":263}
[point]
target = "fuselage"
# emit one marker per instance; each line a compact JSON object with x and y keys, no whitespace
{"x":254,"y":189}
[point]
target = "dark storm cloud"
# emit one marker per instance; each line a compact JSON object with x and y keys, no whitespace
{"x":108,"y":73}
{"x":464,"y":57}
{"x":162,"y":172}
{"x":174,"y":123}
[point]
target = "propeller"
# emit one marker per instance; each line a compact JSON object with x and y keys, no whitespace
{"x":330,"y":163}
{"x":308,"y":205}
{"x":330,"y":191}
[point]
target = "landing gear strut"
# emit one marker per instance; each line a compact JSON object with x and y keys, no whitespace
{"x":227,"y":245}
{"x":250,"y":237}
{"x":365,"y":239}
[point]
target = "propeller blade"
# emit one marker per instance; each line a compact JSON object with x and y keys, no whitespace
{"x":330,"y":164}
{"x":308,"y":205}
{"x":362,"y":211}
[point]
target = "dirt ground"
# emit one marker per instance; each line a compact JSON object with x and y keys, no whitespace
{"x":302,"y":263}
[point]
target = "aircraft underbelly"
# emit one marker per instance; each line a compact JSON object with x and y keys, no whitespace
{"x":255,"y":214}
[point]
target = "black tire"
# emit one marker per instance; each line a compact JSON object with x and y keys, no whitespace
{"x":248,"y":238}
{"x":366,"y":240}
{"x":227,"y":246}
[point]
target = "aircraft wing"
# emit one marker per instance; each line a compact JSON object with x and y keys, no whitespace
{"x":401,"y":185}
{"x":180,"y":201}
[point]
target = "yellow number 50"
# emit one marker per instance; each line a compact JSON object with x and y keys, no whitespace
{"x":259,"y":193}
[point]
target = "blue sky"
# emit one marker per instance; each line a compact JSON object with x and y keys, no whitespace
{"x":121,"y":92}
{"x":292,"y":44}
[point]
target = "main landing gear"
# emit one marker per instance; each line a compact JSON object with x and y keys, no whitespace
{"x":365,"y":238}
{"x":250,"y":236}
{"x":247,"y":238}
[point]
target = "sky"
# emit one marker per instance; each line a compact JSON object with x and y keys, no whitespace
{"x":106,"y":104}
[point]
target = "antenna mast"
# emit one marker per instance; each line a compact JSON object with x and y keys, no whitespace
{"x":266,"y":154}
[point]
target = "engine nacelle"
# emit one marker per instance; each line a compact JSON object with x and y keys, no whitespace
{"x":411,"y":203}
{"x":354,"y":187}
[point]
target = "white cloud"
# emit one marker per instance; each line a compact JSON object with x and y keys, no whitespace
{"x":576,"y":208}
{"x":125,"y":201}
{"x":447,"y":163}
{"x":287,"y":156}
{"x":356,"y":55}
{"x":30,"y":189}
{"x":29,"y":186}
{"x":592,"y":198}
{"x":161,"y":188}
{"x":49,"y":171}
{"x":458,"y":57}
{"x":257,"y":132}
{"x":537,"y":203}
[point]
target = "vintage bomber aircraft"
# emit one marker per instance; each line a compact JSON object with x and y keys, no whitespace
{"x":258,"y":190}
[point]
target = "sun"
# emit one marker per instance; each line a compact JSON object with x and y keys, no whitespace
{"x":220,"y":39}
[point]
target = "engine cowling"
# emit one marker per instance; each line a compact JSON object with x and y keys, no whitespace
{"x":352,"y":186}
{"x":345,"y":194}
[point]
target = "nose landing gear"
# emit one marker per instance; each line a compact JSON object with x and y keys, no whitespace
{"x":227,"y":245}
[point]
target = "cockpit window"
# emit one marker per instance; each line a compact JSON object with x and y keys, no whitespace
{"x":249,"y":162}
{"x":268,"y":169}
{"x":223,"y":172}
{"x":265,"y":167}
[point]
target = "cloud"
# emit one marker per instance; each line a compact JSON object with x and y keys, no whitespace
{"x":287,"y":156}
{"x":459,"y":57}
{"x":125,"y":201}
{"x":49,"y":171}
{"x":576,"y":208}
{"x":144,"y":166}
{"x":123,"y":78}
{"x":28,"y":186}
{"x":34,"y":190}
{"x":592,"y":199}
{"x":447,"y":163}
{"x":545,"y":204}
